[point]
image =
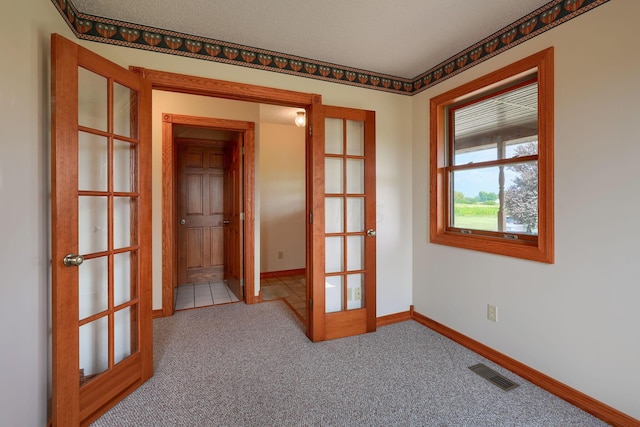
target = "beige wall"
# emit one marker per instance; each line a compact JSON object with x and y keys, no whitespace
{"x":576,"y":320}
{"x":564,"y":319}
{"x":282,"y":197}
{"x":24,"y":209}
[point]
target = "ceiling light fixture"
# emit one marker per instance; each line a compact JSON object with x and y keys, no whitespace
{"x":301,"y":119}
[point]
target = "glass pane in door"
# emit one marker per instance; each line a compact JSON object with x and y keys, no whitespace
{"x":124,"y":157}
{"x":92,"y":100}
{"x":333,"y":171}
{"x":355,"y":253}
{"x":107,"y":218}
{"x":92,"y":224}
{"x":333,"y":213}
{"x":92,"y":162}
{"x":123,"y":281}
{"x":344,"y":215}
{"x":124,"y":331}
{"x":355,"y":176}
{"x":122,"y":210}
{"x":334,"y":290}
{"x":334,"y":259}
{"x":333,"y":136}
{"x":355,"y":214}
{"x":93,"y":287}
{"x":94,"y":349}
{"x":355,"y":291}
{"x":124,"y":99}
{"x":355,"y":138}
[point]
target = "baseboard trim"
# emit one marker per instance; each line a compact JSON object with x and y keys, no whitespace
{"x":394,"y":318}
{"x":157,"y":313}
{"x":281,"y":273}
{"x":588,"y":404}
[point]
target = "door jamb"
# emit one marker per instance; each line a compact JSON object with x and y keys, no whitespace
{"x":169,"y":208}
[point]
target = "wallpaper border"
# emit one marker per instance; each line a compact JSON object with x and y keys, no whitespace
{"x":103,"y":30}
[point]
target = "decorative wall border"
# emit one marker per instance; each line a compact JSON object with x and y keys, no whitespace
{"x":103,"y":30}
{"x":537,"y":22}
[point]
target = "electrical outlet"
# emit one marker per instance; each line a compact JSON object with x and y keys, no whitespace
{"x":492,"y":312}
{"x":357,"y":294}
{"x":280,"y":255}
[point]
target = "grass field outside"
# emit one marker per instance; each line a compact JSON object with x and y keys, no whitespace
{"x":476,"y":217}
{"x":487,"y":223}
{"x":483,"y":217}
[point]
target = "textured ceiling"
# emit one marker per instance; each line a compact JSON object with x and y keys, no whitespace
{"x":398,"y":38}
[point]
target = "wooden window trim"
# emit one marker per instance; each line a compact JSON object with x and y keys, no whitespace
{"x":542,"y":249}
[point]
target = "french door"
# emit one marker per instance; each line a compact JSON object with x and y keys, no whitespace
{"x":342,"y":298}
{"x":101,"y":233}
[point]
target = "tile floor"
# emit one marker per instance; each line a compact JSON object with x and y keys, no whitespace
{"x":292,"y":288}
{"x":202,"y":295}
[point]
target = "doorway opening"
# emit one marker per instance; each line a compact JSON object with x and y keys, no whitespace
{"x":282,"y":193}
{"x":195,"y":272}
{"x":340,"y":292}
{"x":209,"y":201}
{"x":207,"y":211}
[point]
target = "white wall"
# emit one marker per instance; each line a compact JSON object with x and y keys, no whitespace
{"x":282,"y":197}
{"x":578,"y":319}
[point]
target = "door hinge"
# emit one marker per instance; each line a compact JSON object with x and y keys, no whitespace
{"x":241,"y":216}
{"x":243,"y":151}
{"x":311,"y":303}
{"x":310,"y":218}
{"x":242,"y":283}
{"x":310,"y":131}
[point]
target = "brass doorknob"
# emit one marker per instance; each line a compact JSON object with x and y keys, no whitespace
{"x":71,"y":260}
{"x":371,"y":232}
{"x":183,"y":221}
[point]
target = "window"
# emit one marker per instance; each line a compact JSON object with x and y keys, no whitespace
{"x":492,"y":162}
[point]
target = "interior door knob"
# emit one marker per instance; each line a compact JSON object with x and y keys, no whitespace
{"x":72,"y":260}
{"x":183,"y":221}
{"x":371,"y":232}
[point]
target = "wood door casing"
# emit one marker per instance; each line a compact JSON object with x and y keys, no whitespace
{"x":203,"y":86}
{"x":200,"y":182}
{"x":170,"y":220}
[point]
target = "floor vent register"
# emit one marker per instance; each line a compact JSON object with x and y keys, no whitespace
{"x":493,"y":377}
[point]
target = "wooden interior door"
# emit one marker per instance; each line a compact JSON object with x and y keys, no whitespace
{"x":234,"y":218}
{"x":101,"y":233}
{"x":200,"y":181}
{"x":343,"y":217}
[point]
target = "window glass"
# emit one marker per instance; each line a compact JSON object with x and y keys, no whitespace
{"x":491,"y":162}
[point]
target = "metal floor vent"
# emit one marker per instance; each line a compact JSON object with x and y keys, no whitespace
{"x":493,"y":377}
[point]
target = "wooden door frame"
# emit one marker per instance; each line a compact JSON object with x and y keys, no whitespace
{"x":169,"y":208}
{"x":193,"y":85}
